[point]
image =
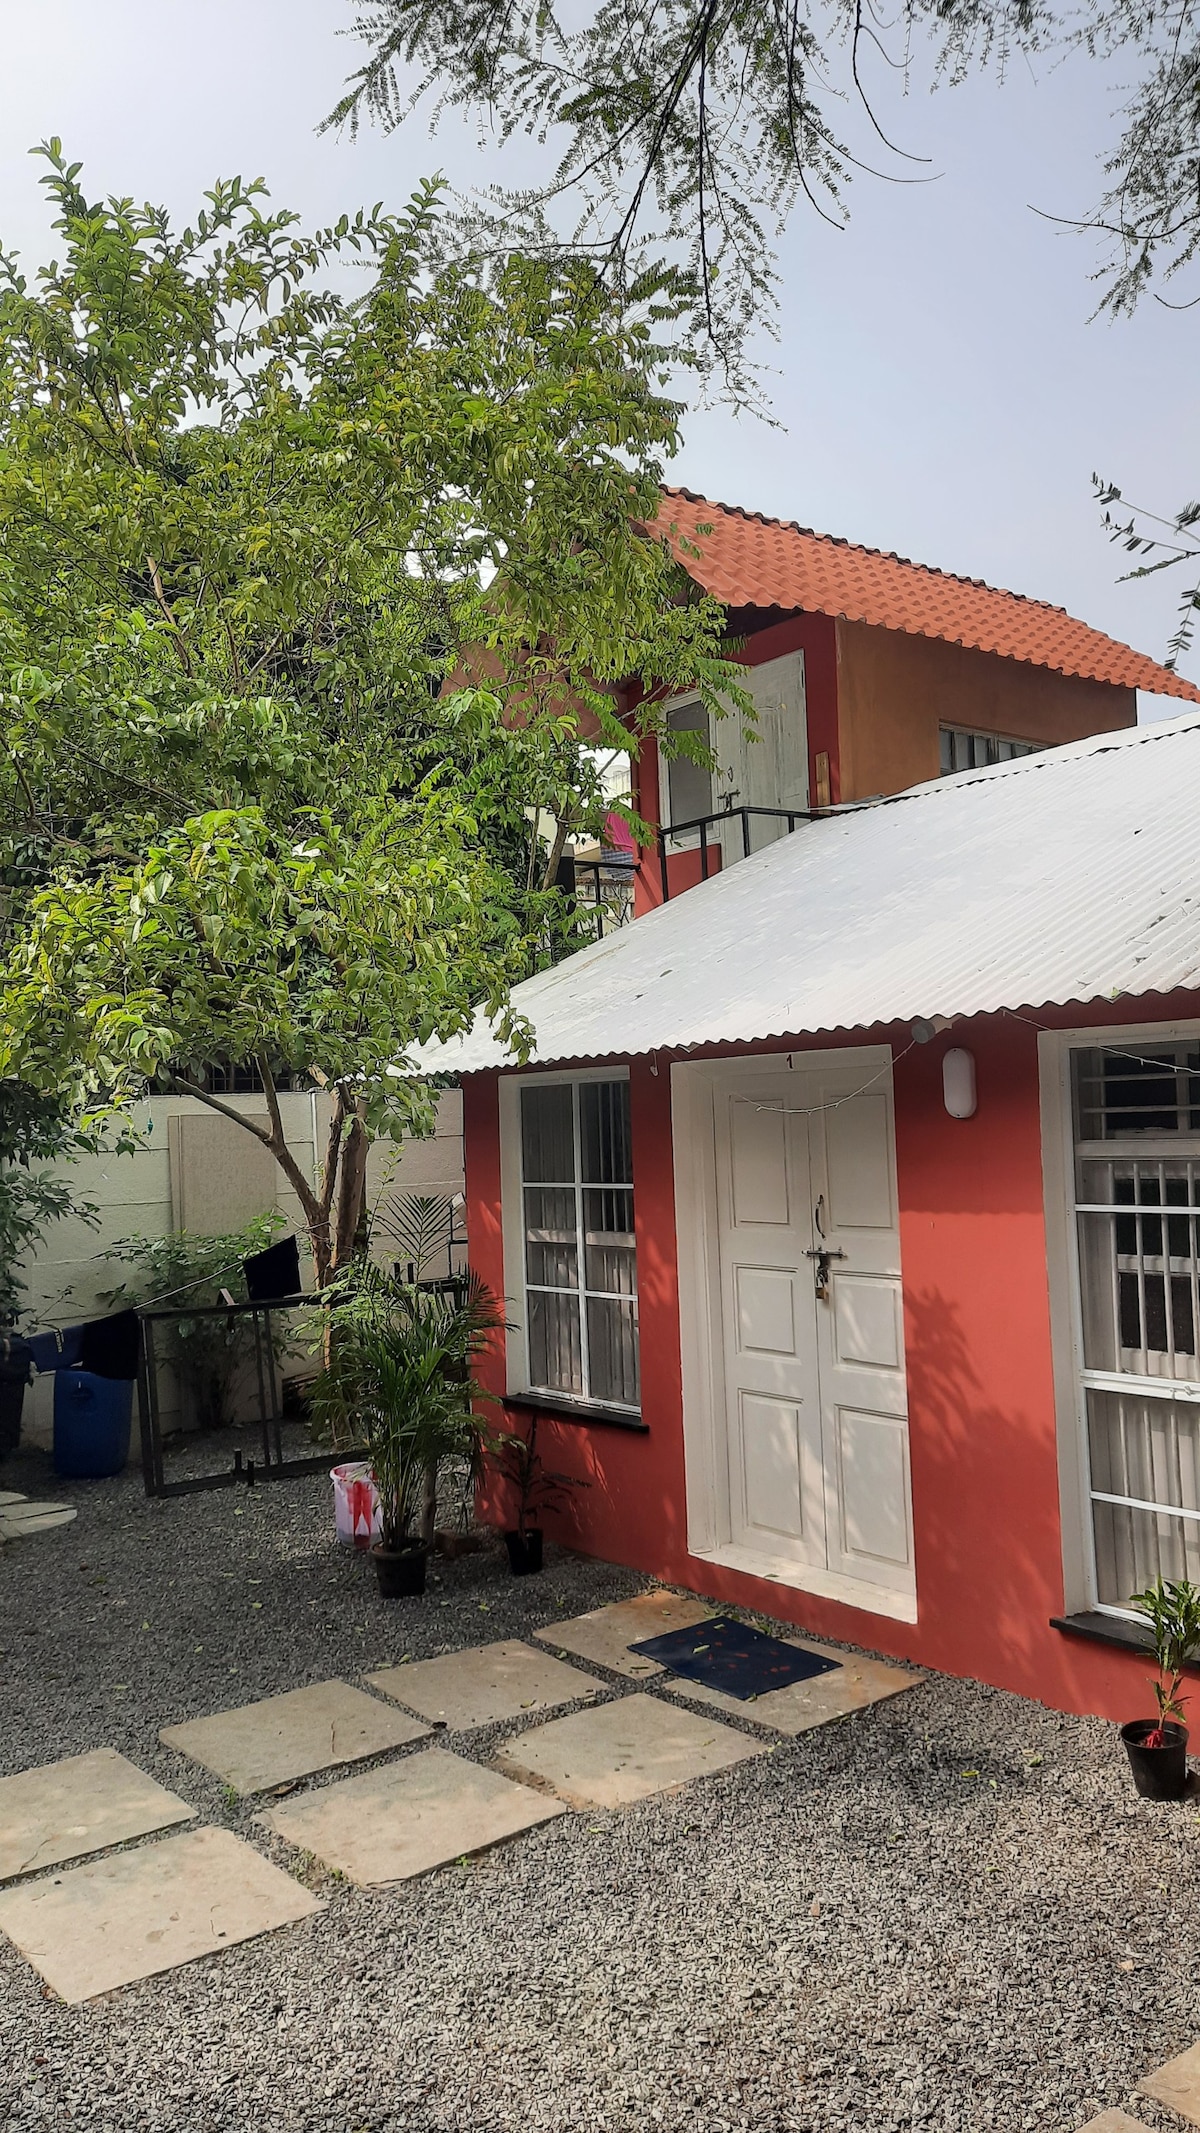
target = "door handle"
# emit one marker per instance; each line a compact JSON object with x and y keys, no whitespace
{"x":821,"y":1257}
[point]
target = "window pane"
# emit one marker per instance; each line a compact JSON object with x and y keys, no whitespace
{"x":1119,"y":1093}
{"x":689,"y":786}
{"x":1140,"y":1269}
{"x":547,"y":1134}
{"x":613,"y":1350}
{"x":604,"y":1132}
{"x":947,"y":751}
{"x":551,"y":1245}
{"x":555,"y":1363}
{"x":1146,"y":1448}
{"x":609,"y":1260}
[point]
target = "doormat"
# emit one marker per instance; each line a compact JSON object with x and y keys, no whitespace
{"x":729,"y":1655}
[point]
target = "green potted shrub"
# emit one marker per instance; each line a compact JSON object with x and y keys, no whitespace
{"x":399,"y":1378}
{"x":534,"y":1490}
{"x":1157,"y":1747}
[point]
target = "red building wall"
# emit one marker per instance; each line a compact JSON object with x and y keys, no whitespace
{"x":982,"y":1429}
{"x":816,"y":637}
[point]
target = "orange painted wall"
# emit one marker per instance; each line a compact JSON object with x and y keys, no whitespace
{"x":982,"y":1427}
{"x":894,"y":692}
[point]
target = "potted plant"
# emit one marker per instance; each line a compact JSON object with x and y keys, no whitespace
{"x":399,"y":1374}
{"x":534,"y":1491}
{"x":1157,"y":1747}
{"x":414,"y":1416}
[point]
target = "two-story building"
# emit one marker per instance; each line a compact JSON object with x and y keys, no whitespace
{"x":868,"y":674}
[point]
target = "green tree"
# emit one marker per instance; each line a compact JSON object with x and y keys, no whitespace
{"x":36,"y":1138}
{"x":695,"y":127}
{"x":294,"y":582}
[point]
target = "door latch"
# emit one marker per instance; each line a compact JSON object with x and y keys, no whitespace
{"x":821,"y":1257}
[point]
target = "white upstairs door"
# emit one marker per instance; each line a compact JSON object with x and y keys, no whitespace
{"x":768,"y":1358}
{"x":860,"y":1327}
{"x":808,"y":1359}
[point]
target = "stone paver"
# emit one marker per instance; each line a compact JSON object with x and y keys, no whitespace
{"x":409,"y":1817}
{"x":292,"y":1736}
{"x":8,"y":1496}
{"x":1115,"y":2122}
{"x":802,"y":1704}
{"x":606,"y":1634}
{"x":624,"y":1751}
{"x":21,"y":1517}
{"x":129,"y":1916}
{"x":481,"y":1687}
{"x":1177,"y":2084}
{"x":83,"y":1804}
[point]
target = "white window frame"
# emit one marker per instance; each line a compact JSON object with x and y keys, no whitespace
{"x":518,"y":1378}
{"x":1071,"y":1375}
{"x":1013,"y":741}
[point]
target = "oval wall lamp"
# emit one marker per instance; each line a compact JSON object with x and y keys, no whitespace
{"x":958,"y":1082}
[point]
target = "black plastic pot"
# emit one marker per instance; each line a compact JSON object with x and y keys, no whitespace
{"x":1158,"y":1773}
{"x":401,"y":1571}
{"x":524,"y":1551}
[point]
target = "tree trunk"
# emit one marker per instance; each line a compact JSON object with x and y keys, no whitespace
{"x":352,"y":1190}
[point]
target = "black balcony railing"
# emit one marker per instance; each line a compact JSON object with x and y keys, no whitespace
{"x":704,"y":823}
{"x":601,"y":889}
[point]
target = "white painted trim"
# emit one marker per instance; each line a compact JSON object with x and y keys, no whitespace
{"x":705,"y":1440}
{"x":516,"y":1352}
{"x":824,"y":1584}
{"x":1063,"y":1280}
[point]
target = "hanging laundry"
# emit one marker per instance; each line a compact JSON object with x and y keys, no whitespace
{"x":273,"y":1274}
{"x":109,"y":1348}
{"x":60,"y":1349}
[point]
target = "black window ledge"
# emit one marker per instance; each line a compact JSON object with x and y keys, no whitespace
{"x":568,"y":1410}
{"x":1105,"y":1629}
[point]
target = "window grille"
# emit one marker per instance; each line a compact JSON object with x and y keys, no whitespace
{"x":1137,"y":1199}
{"x":965,"y":750}
{"x":580,"y":1257}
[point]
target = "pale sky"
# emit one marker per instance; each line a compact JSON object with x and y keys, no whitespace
{"x":940,"y":388}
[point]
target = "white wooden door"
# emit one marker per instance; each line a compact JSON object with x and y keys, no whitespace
{"x":811,"y":1363}
{"x":860,"y":1328}
{"x":772,"y":1396}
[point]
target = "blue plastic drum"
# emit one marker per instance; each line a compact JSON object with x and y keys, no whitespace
{"x":92,"y":1421}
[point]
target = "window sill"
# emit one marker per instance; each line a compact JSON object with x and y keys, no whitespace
{"x":1105,"y":1629}
{"x":565,"y":1409}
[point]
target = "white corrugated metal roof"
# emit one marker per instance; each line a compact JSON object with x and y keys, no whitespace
{"x":1072,"y":875}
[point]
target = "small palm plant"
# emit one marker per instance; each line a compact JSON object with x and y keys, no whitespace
{"x":1172,"y":1611}
{"x":400,"y":1378}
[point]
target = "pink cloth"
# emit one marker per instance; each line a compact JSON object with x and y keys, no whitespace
{"x":617,"y":833}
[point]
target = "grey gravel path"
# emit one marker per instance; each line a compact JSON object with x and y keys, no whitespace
{"x":946,"y":1912}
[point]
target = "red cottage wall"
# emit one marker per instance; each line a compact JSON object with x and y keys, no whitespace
{"x":816,"y":637}
{"x":982,"y":1426}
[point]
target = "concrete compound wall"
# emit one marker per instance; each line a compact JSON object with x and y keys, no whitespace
{"x":194,"y":1170}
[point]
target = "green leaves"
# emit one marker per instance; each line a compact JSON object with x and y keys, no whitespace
{"x":308,"y":603}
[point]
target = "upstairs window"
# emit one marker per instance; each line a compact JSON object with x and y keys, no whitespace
{"x":963,"y":749}
{"x":580,"y":1260}
{"x":689,"y":793}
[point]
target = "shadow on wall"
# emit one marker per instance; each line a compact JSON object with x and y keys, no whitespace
{"x":986,"y":1512}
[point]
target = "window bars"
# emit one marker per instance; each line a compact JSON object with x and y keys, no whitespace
{"x":962,"y":749}
{"x":1137,"y":1203}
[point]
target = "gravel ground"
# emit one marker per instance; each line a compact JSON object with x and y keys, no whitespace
{"x":947,"y":1912}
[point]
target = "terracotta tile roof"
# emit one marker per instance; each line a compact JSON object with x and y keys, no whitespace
{"x":747,"y":560}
